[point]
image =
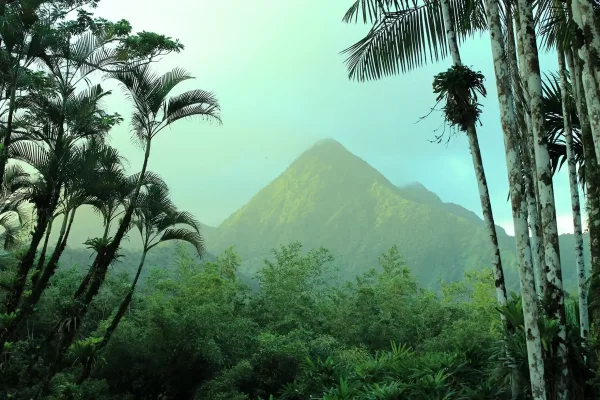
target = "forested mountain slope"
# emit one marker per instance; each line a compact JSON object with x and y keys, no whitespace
{"x":330,"y":197}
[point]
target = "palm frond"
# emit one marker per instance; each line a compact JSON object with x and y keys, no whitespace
{"x":411,"y":37}
{"x":371,"y":10}
{"x":162,"y":86}
{"x":194,"y":238}
{"x":193,"y":97}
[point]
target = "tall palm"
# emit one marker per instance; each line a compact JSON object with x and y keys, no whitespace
{"x":519,"y":206}
{"x":157,"y":221}
{"x":154,"y":111}
{"x":554,"y":291}
{"x":561,"y":28}
{"x":25,"y":38}
{"x":514,"y":51}
{"x":85,"y":181}
{"x":57,"y":125}
{"x":396,"y":44}
{"x":575,"y":204}
{"x":563,"y":129}
{"x":592,"y":184}
{"x":583,"y":15}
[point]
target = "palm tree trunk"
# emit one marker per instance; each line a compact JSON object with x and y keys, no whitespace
{"x":519,"y":206}
{"x":575,"y":204}
{"x":554,"y":291}
{"x":86,"y":280}
{"x":484,"y":195}
{"x":42,"y":258}
{"x":12,"y":300}
{"x":591,"y":32}
{"x":588,"y":51}
{"x":103,"y":259}
{"x":36,"y":293}
{"x":10,"y":119}
{"x":592,"y":183}
{"x":85,"y":373}
{"x":527,"y":154}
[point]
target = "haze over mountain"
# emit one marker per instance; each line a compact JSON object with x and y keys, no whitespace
{"x":332,"y":198}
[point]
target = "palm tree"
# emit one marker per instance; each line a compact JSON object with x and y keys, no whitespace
{"x":86,"y":180}
{"x":386,"y":51}
{"x":527,"y":155}
{"x":156,"y":218}
{"x":57,"y":124}
{"x":592,"y":182}
{"x":519,"y":206}
{"x":554,"y":291}
{"x":112,"y":204}
{"x":26,"y":38}
{"x":154,"y":111}
{"x":573,"y":158}
{"x":583,"y":17}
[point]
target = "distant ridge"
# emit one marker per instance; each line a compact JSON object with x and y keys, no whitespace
{"x":332,"y":198}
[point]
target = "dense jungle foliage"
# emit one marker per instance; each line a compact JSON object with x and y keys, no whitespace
{"x":202,"y":334}
{"x":196,"y":328}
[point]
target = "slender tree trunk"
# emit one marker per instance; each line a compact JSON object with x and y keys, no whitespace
{"x":590,"y":29}
{"x":85,"y":373}
{"x":36,"y":293}
{"x":484,"y":195}
{"x":103,"y":259}
{"x":42,"y":258}
{"x":9,"y":123}
{"x":575,"y":204}
{"x":519,"y":206}
{"x":527,"y":153}
{"x":588,"y":53}
{"x":27,"y":261}
{"x":592,"y":183}
{"x":86,"y":280}
{"x":554,"y":291}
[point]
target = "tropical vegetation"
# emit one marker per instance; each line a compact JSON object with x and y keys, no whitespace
{"x":195,"y":330}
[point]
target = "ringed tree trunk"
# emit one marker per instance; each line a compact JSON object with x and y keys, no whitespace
{"x":527,"y":153}
{"x":575,"y":204}
{"x":592,"y":183}
{"x":554,"y":299}
{"x":588,"y":52}
{"x":519,"y":206}
{"x":484,"y":195}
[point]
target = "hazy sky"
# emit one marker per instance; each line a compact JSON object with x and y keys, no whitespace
{"x":276,"y":68}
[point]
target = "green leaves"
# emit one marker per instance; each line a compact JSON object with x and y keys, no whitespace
{"x":459,"y":88}
{"x":406,"y":37}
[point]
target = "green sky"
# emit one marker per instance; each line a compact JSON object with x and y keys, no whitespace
{"x":276,"y":68}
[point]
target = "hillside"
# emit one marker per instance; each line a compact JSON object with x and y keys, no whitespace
{"x":330,"y":197}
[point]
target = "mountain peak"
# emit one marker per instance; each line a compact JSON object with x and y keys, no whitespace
{"x":327,"y":148}
{"x":328,"y":142}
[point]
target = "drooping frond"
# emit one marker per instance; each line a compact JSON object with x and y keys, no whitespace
{"x":194,"y":238}
{"x":553,"y":26}
{"x":178,"y":103}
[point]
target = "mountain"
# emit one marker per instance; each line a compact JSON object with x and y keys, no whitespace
{"x":330,"y":197}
